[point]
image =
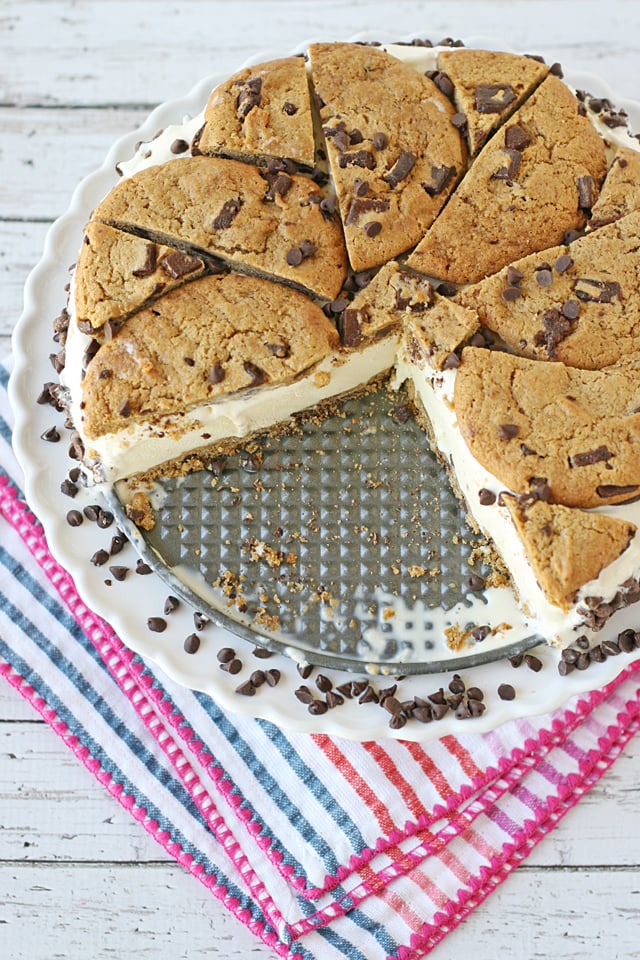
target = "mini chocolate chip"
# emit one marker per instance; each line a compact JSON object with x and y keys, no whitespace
{"x":191,"y":643}
{"x":380,"y":140}
{"x":360,"y":187}
{"x":475,"y":693}
{"x":452,"y":362}
{"x":516,"y":660}
{"x":459,"y":121}
{"x":307,"y":249}
{"x":104,"y":519}
{"x":587,"y":192}
{"x":257,"y":678}
{"x":355,"y":137}
{"x":563,"y":263}
{"x":372,"y":228}
{"x":117,"y":544}
{"x":457,"y":685}
{"x":226,"y":654}
{"x":157,"y":624}
{"x":124,"y":410}
{"x":119,"y":573}
{"x":171,"y":603}
{"x":51,"y":435}
{"x":571,"y":309}
{"x":232,"y":666}
{"x":200,"y":620}
{"x":476,"y":582}
{"x":246,"y":689}
{"x":565,"y":668}
{"x":74,"y":518}
{"x":323,"y":683}
{"x":179,"y":146}
{"x":294,"y":257}
{"x":506,"y":692}
{"x":334,"y":699}
{"x":272,"y":677}
{"x":317,"y":707}
{"x":216,"y":374}
{"x":305,"y":670}
{"x":99,"y":558}
{"x":480,"y":633}
{"x":570,"y":236}
{"x":514,"y":276}
{"x":582,"y":643}
{"x":69,"y":488}
{"x":533,"y":662}
{"x":142,"y":568}
{"x":289,"y":108}
{"x":511,"y":293}
{"x":486,"y":497}
{"x":544,"y":277}
{"x":328,"y":205}
{"x":303,"y":694}
{"x":610,"y":648}
{"x":262,"y":653}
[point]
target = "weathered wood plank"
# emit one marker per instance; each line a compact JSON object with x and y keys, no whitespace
{"x":21,"y":247}
{"x":145,"y":51}
{"x":51,"y":913}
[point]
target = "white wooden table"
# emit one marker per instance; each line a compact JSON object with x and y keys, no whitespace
{"x":78,"y":878}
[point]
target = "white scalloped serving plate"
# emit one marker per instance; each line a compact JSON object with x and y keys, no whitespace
{"x":127,"y":605}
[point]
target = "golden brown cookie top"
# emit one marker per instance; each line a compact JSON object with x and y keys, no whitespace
{"x":117,"y":273}
{"x":533,"y":181}
{"x":579,"y":304}
{"x":216,"y":336}
{"x":394,"y":154}
{"x":488,"y":86}
{"x":566,"y":547}
{"x":261,"y":112}
{"x":275,"y":224}
{"x":575,"y":433}
{"x":620,"y":192}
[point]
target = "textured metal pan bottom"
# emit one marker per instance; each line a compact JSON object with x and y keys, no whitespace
{"x":340,"y":543}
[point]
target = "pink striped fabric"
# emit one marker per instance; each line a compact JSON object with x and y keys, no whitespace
{"x":371,"y":850}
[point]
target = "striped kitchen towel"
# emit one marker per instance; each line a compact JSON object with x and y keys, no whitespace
{"x":325,"y":848}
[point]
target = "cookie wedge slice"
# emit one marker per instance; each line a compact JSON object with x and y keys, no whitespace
{"x":262,"y":112}
{"x":117,"y":273}
{"x":272,"y":224}
{"x":534,"y":180}
{"x":620,"y":192}
{"x":488,"y":86}
{"x":394,"y":153}
{"x":567,"y":548}
{"x":575,"y":434}
{"x":579,"y":304}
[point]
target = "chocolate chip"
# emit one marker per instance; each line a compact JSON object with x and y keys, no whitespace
{"x":179,"y":146}
{"x":334,"y":699}
{"x":305,"y":670}
{"x":119,"y":573}
{"x":493,"y":97}
{"x":442,"y":81}
{"x":583,"y":661}
{"x":457,"y":685}
{"x":200,"y":620}
{"x":610,"y":648}
{"x":232,"y":666}
{"x":511,"y":293}
{"x":459,"y":121}
{"x":157,"y":624}
{"x":480,"y":633}
{"x":294,"y":257}
{"x":216,"y":374}
{"x":544,"y":277}
{"x":563,"y":263}
{"x":590,"y":456}
{"x":571,"y":309}
{"x":171,"y":603}
{"x":124,"y":410}
{"x":440,"y":178}
{"x":349,"y":327}
{"x":516,"y":660}
{"x":177,"y":264}
{"x":246,"y":689}
{"x":447,"y":289}
{"x":68,"y":488}
{"x":506,"y":692}
{"x":304,"y":695}
{"x":361,"y":158}
{"x":475,"y":693}
{"x":476,"y":582}
{"x":626,"y":641}
{"x":516,"y":138}
{"x":257,"y":678}
{"x":452,"y":362}
{"x":117,"y":544}
{"x":605,"y":491}
{"x":104,"y":519}
{"x":587,"y":192}
{"x":249,"y":96}
{"x":360,"y":205}
{"x":380,"y":140}
{"x":289,"y":108}
{"x":486,"y":497}
{"x":279,"y":185}
{"x":323,"y":683}
{"x":307,"y":249}
{"x":570,"y":236}
{"x":142,"y":568}
{"x":228,"y":213}
{"x":51,"y":435}
{"x":401,"y":169}
{"x":317,"y":707}
{"x":355,"y":137}
{"x":533,"y":663}
{"x":372,"y":228}
{"x":191,"y":643}
{"x":149,"y":265}
{"x":509,"y":172}
{"x":328,"y":205}
{"x":255,"y":374}
{"x":226,"y":654}
{"x":507,"y":431}
{"x":74,"y":518}
{"x":272,"y":677}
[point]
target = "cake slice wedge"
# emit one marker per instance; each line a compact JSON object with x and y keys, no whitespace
{"x":620,"y":192}
{"x":579,"y":303}
{"x":117,"y":273}
{"x":534,"y":180}
{"x":272,"y":224}
{"x":488,"y":86}
{"x":262,"y":112}
{"x":394,"y":153}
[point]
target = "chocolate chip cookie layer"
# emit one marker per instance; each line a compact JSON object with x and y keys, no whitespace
{"x":272,"y":224}
{"x":395,"y":155}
